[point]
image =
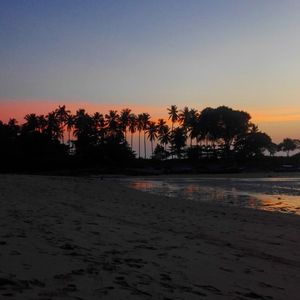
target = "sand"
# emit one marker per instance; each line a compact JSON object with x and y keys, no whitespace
{"x":83,"y":238}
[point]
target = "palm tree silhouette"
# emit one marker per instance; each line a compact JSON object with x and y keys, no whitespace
{"x":152,"y":133}
{"x":160,"y":125}
{"x":42,"y":123}
{"x":164,"y":135}
{"x":32,"y":123}
{"x":139,"y":126}
{"x":173,"y":115}
{"x":146,"y":119}
{"x":184,"y":117}
{"x":13,"y":127}
{"x":54,"y":128}
{"x":193,"y":124}
{"x":70,"y":120}
{"x":113,"y":123}
{"x":81,"y":123}
{"x":124,"y":119}
{"x":178,"y":140}
{"x":99,"y":127}
{"x":132,"y":126}
{"x":61,"y":114}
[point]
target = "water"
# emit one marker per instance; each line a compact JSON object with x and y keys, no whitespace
{"x":272,"y":194}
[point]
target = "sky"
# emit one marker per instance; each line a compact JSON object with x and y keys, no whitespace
{"x":149,"y":55}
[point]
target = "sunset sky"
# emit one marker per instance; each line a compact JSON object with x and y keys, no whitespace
{"x":150,"y":54}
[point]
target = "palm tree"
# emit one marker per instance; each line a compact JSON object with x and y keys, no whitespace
{"x":113,"y":123}
{"x":173,"y":115}
{"x":42,"y":123}
{"x":124,"y":119}
{"x":152,"y":133}
{"x":146,"y":119}
{"x":139,"y":126}
{"x":83,"y":130}
{"x":32,"y":123}
{"x":164,"y":135}
{"x":184,"y":117}
{"x":196,"y":131}
{"x":70,"y":120}
{"x":99,"y":125}
{"x":62,"y":114}
{"x":81,"y":123}
{"x":160,"y":125}
{"x":178,"y":141}
{"x":193,"y":122}
{"x":54,"y":128}
{"x":132,"y":126}
{"x":13,"y":127}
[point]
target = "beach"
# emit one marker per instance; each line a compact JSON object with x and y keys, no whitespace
{"x":94,"y":238}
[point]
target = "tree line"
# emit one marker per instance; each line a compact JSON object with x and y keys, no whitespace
{"x":217,"y":133}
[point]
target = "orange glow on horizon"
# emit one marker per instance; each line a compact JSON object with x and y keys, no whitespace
{"x":19,"y":108}
{"x":278,"y":115}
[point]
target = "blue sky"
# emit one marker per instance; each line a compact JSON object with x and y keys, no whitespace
{"x":243,"y":54}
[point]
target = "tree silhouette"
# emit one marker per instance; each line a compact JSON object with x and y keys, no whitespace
{"x":54,"y":127}
{"x":114,"y":124}
{"x":253,"y":144}
{"x":145,"y":122}
{"x":124,"y":120}
{"x":83,"y":130}
{"x":161,"y":123}
{"x":98,"y":127}
{"x":184,"y":117}
{"x":178,"y":138}
{"x":220,"y":133}
{"x":70,"y":121}
{"x":223,"y":124}
{"x":61,"y":115}
{"x":152,"y":133}
{"x":288,"y":145}
{"x":31,"y":124}
{"x":159,"y":153}
{"x":42,"y":123}
{"x":140,"y":126}
{"x":173,"y":115}
{"x":13,"y":127}
{"x":164,"y":134}
{"x":193,"y":122}
{"x":132,"y":126}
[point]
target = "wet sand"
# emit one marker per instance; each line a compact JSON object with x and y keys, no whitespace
{"x":280,"y":194}
{"x":83,"y":238}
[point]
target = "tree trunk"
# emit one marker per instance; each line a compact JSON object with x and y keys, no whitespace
{"x":172,"y":141}
{"x":69,"y":137}
{"x":139,"y":144}
{"x":152,"y":147}
{"x":145,"y":150}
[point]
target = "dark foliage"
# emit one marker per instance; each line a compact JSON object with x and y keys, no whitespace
{"x":60,"y":140}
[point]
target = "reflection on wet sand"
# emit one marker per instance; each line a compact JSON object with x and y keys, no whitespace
{"x":272,"y":194}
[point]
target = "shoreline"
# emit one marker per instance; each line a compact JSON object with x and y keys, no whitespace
{"x":262,"y":174}
{"x":68,"y":237}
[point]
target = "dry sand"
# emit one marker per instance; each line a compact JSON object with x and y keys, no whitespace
{"x":82,"y":238}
